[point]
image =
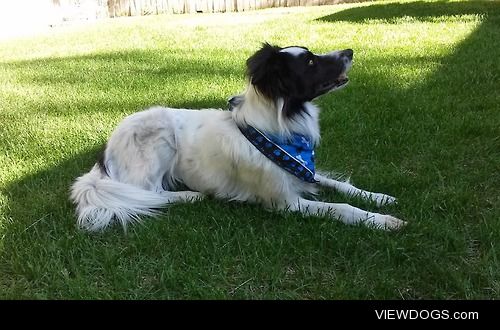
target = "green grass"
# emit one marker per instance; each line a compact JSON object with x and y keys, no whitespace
{"x":420,"y":121}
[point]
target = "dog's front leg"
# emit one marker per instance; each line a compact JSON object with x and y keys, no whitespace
{"x":350,"y":190}
{"x":346,"y":213}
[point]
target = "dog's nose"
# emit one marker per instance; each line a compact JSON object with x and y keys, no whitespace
{"x":348,"y":53}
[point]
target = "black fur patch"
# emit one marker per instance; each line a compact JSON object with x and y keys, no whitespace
{"x":101,"y":161}
{"x":265,"y":71}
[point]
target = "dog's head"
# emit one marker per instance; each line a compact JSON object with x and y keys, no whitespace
{"x":297,"y":75}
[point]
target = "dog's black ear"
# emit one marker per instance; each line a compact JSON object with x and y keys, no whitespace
{"x":264,"y":71}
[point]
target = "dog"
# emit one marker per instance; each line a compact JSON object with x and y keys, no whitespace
{"x":262,"y":151}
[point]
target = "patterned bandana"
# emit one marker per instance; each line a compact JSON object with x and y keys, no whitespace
{"x":295,"y":154}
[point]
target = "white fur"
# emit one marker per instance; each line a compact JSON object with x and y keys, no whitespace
{"x":295,"y":51}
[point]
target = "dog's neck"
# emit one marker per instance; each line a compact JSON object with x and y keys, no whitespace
{"x":252,"y":108}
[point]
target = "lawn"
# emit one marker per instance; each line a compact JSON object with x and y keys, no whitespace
{"x":420,"y":120}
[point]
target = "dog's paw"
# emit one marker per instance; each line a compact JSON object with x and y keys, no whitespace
{"x":383,"y":221}
{"x":392,"y":223}
{"x":183,"y":196}
{"x":193,"y":196}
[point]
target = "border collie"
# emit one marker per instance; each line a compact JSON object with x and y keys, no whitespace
{"x":262,"y":151}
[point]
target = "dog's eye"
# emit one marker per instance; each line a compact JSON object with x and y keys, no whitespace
{"x":310,"y":63}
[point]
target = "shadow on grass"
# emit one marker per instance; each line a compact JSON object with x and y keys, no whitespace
{"x":194,"y":251}
{"x":420,"y":10}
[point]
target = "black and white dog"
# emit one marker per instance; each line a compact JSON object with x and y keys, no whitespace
{"x":261,"y":152}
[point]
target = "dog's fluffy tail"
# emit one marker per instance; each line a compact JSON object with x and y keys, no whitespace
{"x":100,"y":201}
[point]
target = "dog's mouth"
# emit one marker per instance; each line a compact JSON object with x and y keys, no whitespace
{"x":334,"y":85}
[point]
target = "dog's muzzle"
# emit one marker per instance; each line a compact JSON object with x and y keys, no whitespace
{"x":346,"y":57}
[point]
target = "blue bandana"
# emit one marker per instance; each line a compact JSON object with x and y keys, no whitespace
{"x":295,"y":154}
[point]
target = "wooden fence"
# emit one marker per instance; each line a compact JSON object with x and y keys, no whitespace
{"x":115,"y":8}
{"x":147,"y":7}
